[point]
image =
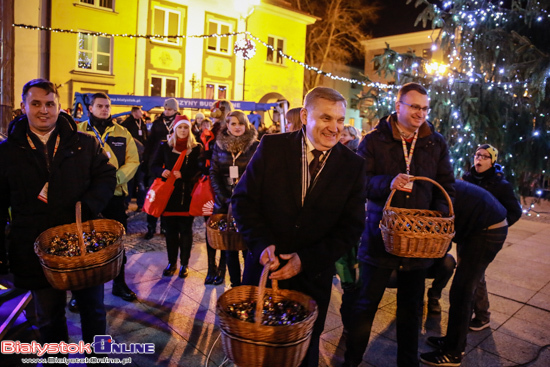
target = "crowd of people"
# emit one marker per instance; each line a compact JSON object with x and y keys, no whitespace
{"x":298,"y":199}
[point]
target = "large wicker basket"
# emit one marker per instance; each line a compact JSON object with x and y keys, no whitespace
{"x":249,"y":344}
{"x":88,"y":269}
{"x":415,"y":232}
{"x":224,"y":240}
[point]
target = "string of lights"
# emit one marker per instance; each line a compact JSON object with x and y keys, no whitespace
{"x":244,"y":49}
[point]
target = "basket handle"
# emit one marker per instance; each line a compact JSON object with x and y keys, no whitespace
{"x":415,"y":178}
{"x":79,"y":232}
{"x":261,"y":293}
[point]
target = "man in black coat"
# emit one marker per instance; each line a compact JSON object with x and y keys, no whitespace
{"x":136,"y":186}
{"x":481,"y":229}
{"x":46,"y":166}
{"x":300,"y":205}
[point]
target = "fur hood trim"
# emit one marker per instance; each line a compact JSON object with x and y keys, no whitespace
{"x":236,"y":144}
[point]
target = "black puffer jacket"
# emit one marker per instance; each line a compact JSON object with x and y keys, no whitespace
{"x":383,"y":151}
{"x":166,"y":158}
{"x":226,"y":146}
{"x":493,"y":181}
{"x":79,"y":171}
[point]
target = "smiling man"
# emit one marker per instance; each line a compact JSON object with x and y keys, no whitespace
{"x":46,"y":166}
{"x":300,"y":204}
{"x":402,"y":144}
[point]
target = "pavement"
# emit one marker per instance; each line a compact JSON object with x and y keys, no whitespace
{"x":179,"y":315}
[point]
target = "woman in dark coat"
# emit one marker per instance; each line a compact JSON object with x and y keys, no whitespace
{"x":179,"y":224}
{"x":235,"y":146}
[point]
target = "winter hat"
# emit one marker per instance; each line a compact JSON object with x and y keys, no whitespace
{"x":181,"y":120}
{"x":199,"y":115}
{"x":491,"y":150}
{"x":171,"y":103}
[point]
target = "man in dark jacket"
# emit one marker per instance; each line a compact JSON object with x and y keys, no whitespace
{"x":136,"y":186}
{"x":481,"y":229}
{"x":488,"y":174}
{"x":401,"y":144}
{"x":46,"y":166}
{"x":301,"y":205}
{"x":160,"y":131}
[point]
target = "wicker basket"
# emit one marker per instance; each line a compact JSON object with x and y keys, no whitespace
{"x":88,"y":269}
{"x":224,"y":240}
{"x":249,"y":344}
{"x":415,"y":232}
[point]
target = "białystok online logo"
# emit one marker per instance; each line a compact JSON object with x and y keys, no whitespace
{"x":103,"y":344}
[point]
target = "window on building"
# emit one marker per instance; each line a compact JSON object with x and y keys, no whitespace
{"x":278,"y":44}
{"x":106,"y":4}
{"x":216,"y":91}
{"x":166,"y":22}
{"x":427,"y":53}
{"x":163,"y":86}
{"x":94,"y":53}
{"x":219,"y":44}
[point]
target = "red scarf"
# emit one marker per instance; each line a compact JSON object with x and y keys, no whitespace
{"x":181,"y":144}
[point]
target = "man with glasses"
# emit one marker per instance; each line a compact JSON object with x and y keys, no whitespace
{"x":401,"y":144}
{"x":488,"y":174}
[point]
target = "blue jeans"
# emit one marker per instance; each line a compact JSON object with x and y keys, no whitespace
{"x":50,"y":310}
{"x":410,"y":293}
{"x":474,"y":255}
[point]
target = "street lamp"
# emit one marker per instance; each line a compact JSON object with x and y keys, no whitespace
{"x":245,"y":48}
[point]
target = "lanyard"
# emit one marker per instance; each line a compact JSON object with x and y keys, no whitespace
{"x":46,"y":149}
{"x":235,"y":158}
{"x":101,"y":141}
{"x":408,"y":156}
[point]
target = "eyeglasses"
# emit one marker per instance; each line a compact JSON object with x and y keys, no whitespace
{"x":482,"y":157}
{"x":417,"y":108}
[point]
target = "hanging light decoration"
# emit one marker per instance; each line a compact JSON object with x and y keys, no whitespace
{"x":245,"y":48}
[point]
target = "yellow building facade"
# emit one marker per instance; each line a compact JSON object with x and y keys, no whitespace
{"x":162,"y":65}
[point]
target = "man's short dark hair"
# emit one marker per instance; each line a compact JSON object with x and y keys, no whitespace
{"x":135,"y":108}
{"x":409,"y":87}
{"x":99,"y":95}
{"x":324,"y":93}
{"x":39,"y":83}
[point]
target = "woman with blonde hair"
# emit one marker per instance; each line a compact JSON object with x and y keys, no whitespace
{"x":350,"y":137}
{"x":293,"y":122}
{"x":179,"y":224}
{"x":235,"y":146}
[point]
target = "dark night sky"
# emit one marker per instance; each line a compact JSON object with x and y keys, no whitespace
{"x":396,"y":17}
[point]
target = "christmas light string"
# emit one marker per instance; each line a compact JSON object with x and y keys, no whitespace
{"x":239,"y":47}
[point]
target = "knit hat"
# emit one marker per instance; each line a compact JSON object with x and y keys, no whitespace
{"x":171,"y":103}
{"x":181,"y":120}
{"x":491,"y":150}
{"x":199,"y":115}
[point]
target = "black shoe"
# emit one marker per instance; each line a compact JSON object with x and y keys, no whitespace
{"x":439,"y":358}
{"x":478,"y":325}
{"x":433,"y":306}
{"x":184,"y":272}
{"x":209,"y":278}
{"x":123,"y":291}
{"x":169,"y":271}
{"x":149,"y":235}
{"x":436,"y":341}
{"x":73,"y":307}
{"x":219,"y":278}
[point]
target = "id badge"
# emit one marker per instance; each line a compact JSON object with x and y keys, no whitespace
{"x":408,"y":187}
{"x":234,"y":172}
{"x":43,"y":196}
{"x":108,"y":154}
{"x":140,"y":133}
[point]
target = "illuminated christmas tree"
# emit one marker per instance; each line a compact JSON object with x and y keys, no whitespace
{"x":492,"y":87}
